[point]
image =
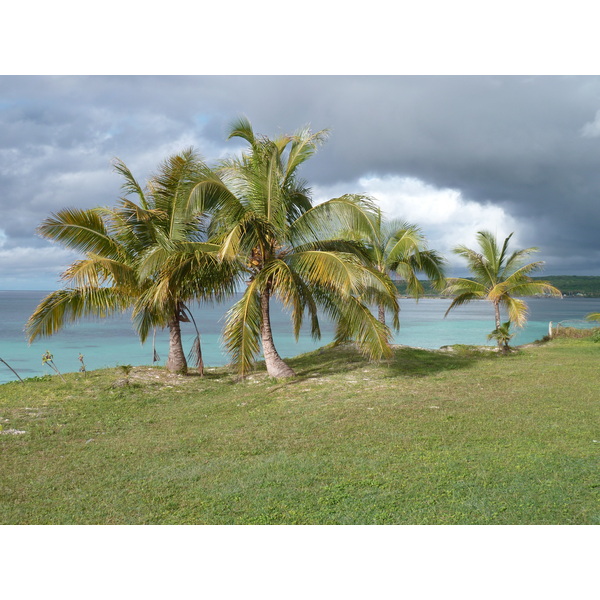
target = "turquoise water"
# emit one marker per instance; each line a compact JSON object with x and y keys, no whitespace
{"x":110,"y":342}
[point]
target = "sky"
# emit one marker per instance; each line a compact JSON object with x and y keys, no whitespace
{"x":451,"y":154}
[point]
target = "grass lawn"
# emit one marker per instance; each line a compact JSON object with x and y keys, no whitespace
{"x":431,"y":437}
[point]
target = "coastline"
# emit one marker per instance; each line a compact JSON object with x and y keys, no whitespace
{"x":109,"y":342}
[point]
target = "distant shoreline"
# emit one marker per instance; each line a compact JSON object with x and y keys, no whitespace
{"x":571,"y":286}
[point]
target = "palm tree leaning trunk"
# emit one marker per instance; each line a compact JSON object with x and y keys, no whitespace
{"x":276,"y":366}
{"x":289,"y":251}
{"x":176,"y":362}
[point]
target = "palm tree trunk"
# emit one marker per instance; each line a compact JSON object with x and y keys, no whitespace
{"x":381,"y":316}
{"x":176,"y":362}
{"x":497,"y":315}
{"x":276,"y":367}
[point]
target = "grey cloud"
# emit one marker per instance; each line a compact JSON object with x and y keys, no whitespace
{"x":529,"y":145}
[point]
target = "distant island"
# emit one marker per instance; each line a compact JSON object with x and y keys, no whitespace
{"x":570,"y":285}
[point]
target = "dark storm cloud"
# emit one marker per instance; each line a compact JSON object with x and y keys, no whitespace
{"x":530,"y":145}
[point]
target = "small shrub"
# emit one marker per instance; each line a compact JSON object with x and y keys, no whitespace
{"x":125,"y":369}
{"x":39,"y":378}
{"x":574,"y":332}
{"x":82,"y":368}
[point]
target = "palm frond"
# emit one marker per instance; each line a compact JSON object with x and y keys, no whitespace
{"x":96,"y":271}
{"x":295,"y":295}
{"x":68,"y":305}
{"x":478,"y":264}
{"x":457,"y":285}
{"x":489,"y":249}
{"x":516,"y":259}
{"x":241,"y":333}
{"x":462,"y":299}
{"x":356,"y":322}
{"x":130,"y":185}
{"x":145,"y":320}
{"x":341,"y":244}
{"x":81,"y":230}
{"x":155,"y":355}
{"x":212,"y":194}
{"x":195,"y":353}
{"x":403,"y":243}
{"x":331,"y":270}
{"x":432,"y":264}
{"x":304,"y":145}
{"x":325,"y":220}
{"x":534,"y":288}
{"x":194,"y":356}
{"x":517,"y":310}
{"x":242,"y":128}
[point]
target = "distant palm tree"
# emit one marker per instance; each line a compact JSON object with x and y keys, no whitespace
{"x":398,"y":247}
{"x":133,"y":257}
{"x":498,"y":277}
{"x":287,"y":245}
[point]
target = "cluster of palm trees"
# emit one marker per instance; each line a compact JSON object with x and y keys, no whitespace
{"x":197,"y":233}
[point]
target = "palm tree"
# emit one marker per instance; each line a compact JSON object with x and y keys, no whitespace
{"x":498,"y":277}
{"x":398,"y":247}
{"x":267,"y":218}
{"x":593,"y":317}
{"x":133,"y":257}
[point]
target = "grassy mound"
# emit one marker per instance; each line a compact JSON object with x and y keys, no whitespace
{"x":430,"y":437}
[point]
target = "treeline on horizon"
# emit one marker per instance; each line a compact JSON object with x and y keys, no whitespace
{"x":570,"y":285}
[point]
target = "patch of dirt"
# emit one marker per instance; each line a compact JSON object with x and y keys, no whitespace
{"x":12,"y":432}
{"x":145,"y":374}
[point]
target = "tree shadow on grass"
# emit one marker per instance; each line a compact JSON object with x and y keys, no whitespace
{"x":418,"y":362}
{"x":407,"y":362}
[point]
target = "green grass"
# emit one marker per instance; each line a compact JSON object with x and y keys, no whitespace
{"x":462,"y":437}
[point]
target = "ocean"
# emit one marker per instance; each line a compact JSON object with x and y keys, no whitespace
{"x":110,"y":342}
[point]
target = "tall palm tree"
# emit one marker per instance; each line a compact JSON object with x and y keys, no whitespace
{"x":267,"y":218}
{"x":132,"y":257}
{"x":498,"y":277}
{"x":398,"y":247}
